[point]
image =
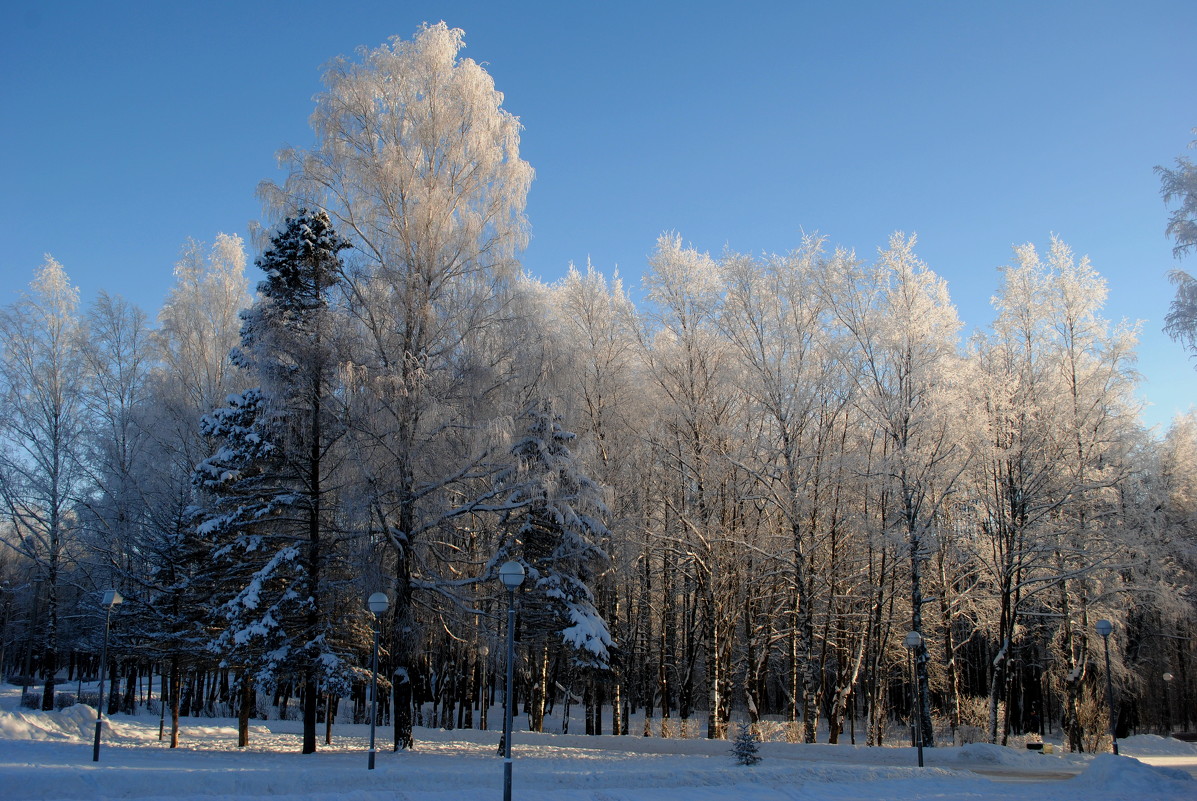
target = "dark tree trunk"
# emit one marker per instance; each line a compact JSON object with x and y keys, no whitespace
{"x":245,"y":708}
{"x":175,"y":679}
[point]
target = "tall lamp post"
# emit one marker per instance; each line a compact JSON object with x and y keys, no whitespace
{"x":483,"y":655}
{"x":1105,"y":628}
{"x":1167,"y":677}
{"x":111,"y":599}
{"x":512,"y":576}
{"x":378,"y":603}
{"x":913,"y":641}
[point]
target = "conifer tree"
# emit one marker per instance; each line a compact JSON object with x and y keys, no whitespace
{"x":271,"y":524}
{"x":746,"y":747}
{"x":556,"y":530}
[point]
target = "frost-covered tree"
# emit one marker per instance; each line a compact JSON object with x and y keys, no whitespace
{"x":199,"y":326}
{"x":41,"y":429}
{"x":118,"y":356}
{"x":691,"y":366}
{"x":1055,"y":381}
{"x":1179,"y":183}
{"x":417,"y":163}
{"x":598,"y":376}
{"x":901,"y":331}
{"x":776,"y":319}
{"x":271,"y":521}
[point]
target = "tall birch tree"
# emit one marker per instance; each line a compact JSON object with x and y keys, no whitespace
{"x":41,"y":429}
{"x":418,"y":165}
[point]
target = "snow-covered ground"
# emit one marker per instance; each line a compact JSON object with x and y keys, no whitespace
{"x":48,"y":756}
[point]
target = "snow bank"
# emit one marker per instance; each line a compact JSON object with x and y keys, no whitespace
{"x":73,"y":724}
{"x":1154,"y":745}
{"x":989,"y":754}
{"x":1125,"y":775}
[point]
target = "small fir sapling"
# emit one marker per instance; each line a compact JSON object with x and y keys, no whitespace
{"x":746,"y":747}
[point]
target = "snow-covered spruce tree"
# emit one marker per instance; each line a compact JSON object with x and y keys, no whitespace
{"x":555,"y":532}
{"x":271,"y":520}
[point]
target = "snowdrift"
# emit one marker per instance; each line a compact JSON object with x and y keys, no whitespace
{"x":73,"y":724}
{"x":1125,"y":775}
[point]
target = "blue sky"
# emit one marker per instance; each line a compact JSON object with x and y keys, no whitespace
{"x":132,"y":126}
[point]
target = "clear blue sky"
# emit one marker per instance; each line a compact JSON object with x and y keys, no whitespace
{"x":129,"y":127}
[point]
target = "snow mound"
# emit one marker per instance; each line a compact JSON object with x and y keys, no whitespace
{"x":989,"y":754}
{"x":1128,"y":775}
{"x":1154,"y":745}
{"x":75,"y":723}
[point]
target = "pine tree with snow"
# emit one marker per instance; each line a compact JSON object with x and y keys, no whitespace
{"x":746,"y":748}
{"x":271,"y":518}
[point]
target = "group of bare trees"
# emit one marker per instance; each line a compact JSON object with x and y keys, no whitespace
{"x":733,"y":499}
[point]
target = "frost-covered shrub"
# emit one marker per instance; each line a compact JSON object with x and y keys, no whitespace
{"x":966,"y":735}
{"x":770,"y":731}
{"x":31,"y":700}
{"x":974,"y":711}
{"x":63,"y":700}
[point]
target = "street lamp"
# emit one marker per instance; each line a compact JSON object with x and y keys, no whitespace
{"x":1167,"y":677}
{"x":378,"y":603}
{"x":913,"y":641}
{"x":483,"y":655}
{"x":111,"y":599}
{"x":1105,"y":628}
{"x":512,"y":575}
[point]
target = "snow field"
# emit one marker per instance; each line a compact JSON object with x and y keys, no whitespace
{"x":47,"y":757}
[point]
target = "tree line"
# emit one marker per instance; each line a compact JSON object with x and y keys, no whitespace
{"x":732,"y":499}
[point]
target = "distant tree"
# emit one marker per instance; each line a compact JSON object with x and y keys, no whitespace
{"x":694,"y":372}
{"x":1054,"y":384}
{"x":593,"y":323}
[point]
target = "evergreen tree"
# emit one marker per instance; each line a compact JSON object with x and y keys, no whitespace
{"x":556,"y":532}
{"x":746,"y":747}
{"x":271,"y":524}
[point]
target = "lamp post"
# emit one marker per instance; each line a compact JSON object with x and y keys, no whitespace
{"x":1167,"y":677}
{"x":111,"y":599}
{"x":378,"y":603}
{"x":512,"y":575}
{"x":483,"y":654}
{"x":1105,"y":628}
{"x":913,"y":641}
